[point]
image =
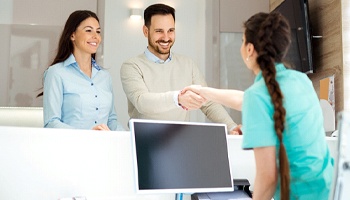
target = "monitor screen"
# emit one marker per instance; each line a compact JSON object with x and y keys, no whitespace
{"x":180,"y":157}
{"x":299,"y":55}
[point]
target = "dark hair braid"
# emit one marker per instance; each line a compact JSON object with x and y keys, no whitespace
{"x":271,"y":43}
{"x":266,"y":60}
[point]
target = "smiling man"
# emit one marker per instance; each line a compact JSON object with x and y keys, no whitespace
{"x":153,"y":80}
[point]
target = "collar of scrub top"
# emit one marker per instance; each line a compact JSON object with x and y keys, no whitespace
{"x":150,"y":56}
{"x":71,"y":60}
{"x":279,"y":67}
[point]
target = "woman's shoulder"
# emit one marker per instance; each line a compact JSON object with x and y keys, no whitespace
{"x":296,"y":76}
{"x":258,"y":91}
{"x":295,"y":72}
{"x":55,"y":68}
{"x":258,"y":86}
{"x":53,"y":71}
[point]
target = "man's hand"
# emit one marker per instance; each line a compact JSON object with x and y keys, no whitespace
{"x":236,"y":131}
{"x":194,"y":88}
{"x":190,"y":100}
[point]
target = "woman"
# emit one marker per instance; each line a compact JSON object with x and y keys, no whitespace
{"x":281,"y":116}
{"x":78,"y":92}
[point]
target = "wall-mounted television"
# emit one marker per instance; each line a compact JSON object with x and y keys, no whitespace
{"x":299,"y":56}
{"x":180,"y":157}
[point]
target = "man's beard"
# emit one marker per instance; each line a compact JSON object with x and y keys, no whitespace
{"x":160,"y":50}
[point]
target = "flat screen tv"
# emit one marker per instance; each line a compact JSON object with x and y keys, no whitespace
{"x":180,"y":157}
{"x":299,"y":55}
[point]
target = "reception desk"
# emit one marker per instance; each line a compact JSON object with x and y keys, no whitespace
{"x":42,"y":164}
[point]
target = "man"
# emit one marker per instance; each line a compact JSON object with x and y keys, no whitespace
{"x":153,"y":81}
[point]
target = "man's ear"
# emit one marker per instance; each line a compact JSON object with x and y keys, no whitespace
{"x":145,"y":30}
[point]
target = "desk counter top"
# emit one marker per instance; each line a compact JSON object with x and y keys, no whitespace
{"x":41,"y":164}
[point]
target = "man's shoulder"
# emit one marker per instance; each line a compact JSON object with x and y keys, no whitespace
{"x":183,"y":59}
{"x":181,"y":56}
{"x":139,"y":58}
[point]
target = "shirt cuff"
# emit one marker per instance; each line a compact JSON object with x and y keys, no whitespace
{"x":233,"y":127}
{"x":176,"y":99}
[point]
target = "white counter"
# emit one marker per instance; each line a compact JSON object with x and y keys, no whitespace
{"x":42,"y":164}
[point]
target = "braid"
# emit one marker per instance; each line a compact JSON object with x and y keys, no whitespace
{"x":267,"y":56}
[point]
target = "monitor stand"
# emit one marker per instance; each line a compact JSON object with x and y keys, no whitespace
{"x":178,"y":196}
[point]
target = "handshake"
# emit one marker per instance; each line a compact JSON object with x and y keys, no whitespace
{"x":195,"y":96}
{"x":190,"y":98}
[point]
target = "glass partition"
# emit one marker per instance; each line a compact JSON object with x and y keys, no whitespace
{"x":233,"y":72}
{"x":30,"y":31}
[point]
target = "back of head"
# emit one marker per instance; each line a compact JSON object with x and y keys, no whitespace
{"x":157,"y":9}
{"x":270,"y":35}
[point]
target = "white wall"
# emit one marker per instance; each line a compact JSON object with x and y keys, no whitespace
{"x":123,"y":39}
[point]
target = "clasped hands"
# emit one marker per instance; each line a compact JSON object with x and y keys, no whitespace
{"x":190,"y":99}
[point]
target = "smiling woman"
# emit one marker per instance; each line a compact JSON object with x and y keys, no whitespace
{"x":77,"y":91}
{"x":86,"y":39}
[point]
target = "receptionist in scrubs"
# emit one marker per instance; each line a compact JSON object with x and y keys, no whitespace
{"x":78,"y":92}
{"x":281,"y":116}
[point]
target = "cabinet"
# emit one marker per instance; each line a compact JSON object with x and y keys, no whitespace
{"x":331,"y":20}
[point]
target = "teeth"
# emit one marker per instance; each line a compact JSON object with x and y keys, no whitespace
{"x":93,"y":43}
{"x":164,"y":44}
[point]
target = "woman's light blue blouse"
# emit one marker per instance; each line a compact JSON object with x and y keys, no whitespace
{"x":310,"y":162}
{"x":74,"y":100}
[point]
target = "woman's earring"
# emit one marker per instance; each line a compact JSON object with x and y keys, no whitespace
{"x":247,"y":59}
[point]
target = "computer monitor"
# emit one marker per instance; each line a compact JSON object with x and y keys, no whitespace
{"x":299,"y":55}
{"x":180,"y":157}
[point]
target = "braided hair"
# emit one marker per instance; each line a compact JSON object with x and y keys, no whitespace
{"x":270,"y":35}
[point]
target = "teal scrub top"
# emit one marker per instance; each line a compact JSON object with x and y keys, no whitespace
{"x":310,"y":162}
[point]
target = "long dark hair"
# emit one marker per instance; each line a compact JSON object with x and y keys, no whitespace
{"x":157,"y":9}
{"x":65,"y":44}
{"x":270,"y":35}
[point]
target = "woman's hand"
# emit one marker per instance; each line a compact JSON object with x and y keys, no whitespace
{"x":194,"y":88}
{"x":101,"y":127}
{"x":190,"y":100}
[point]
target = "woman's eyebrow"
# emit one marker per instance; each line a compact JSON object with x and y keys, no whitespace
{"x":92,"y":27}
